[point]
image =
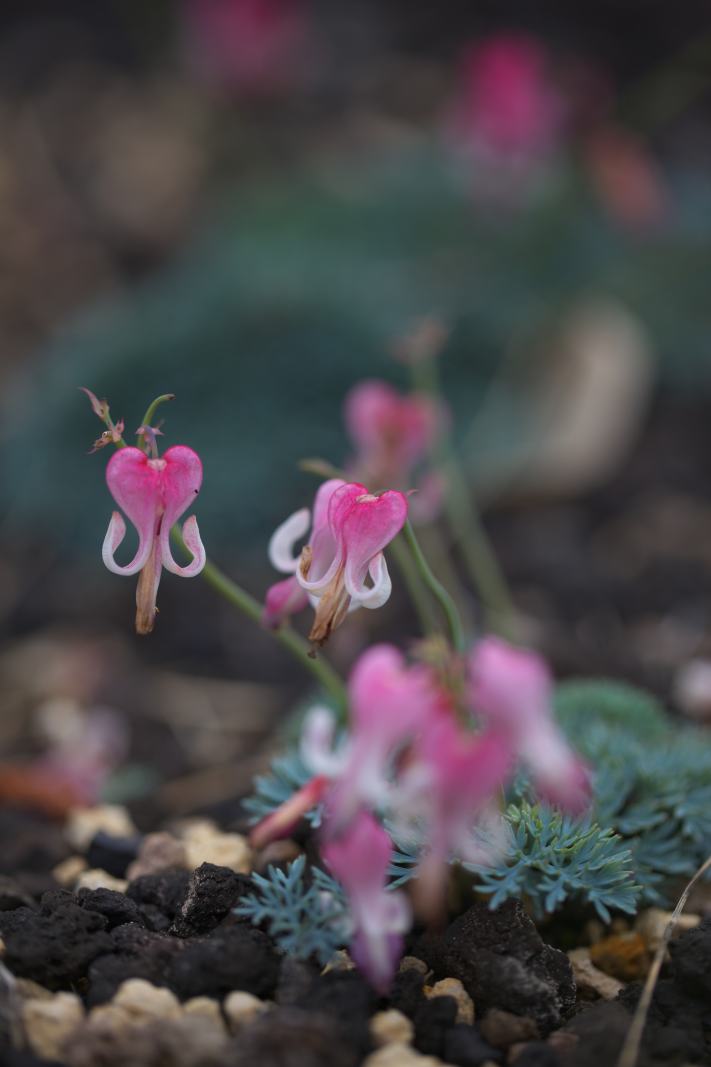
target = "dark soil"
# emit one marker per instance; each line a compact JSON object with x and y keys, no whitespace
{"x":179,"y":931}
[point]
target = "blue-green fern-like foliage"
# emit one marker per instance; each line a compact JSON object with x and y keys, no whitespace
{"x":650,"y":823}
{"x":287,"y":774}
{"x":304,"y":909}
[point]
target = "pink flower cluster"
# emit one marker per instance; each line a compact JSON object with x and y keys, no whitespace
{"x":431,"y":758}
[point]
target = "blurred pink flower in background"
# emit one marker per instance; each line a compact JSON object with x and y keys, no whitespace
{"x":512,"y":691}
{"x":359,"y":859}
{"x":507,"y":115}
{"x":391,"y":431}
{"x":254,"y":46}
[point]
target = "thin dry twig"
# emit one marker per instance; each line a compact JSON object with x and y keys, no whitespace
{"x":630,"y":1048}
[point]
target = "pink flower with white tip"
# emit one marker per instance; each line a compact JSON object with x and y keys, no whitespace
{"x":359,"y":860}
{"x":512,"y":691}
{"x":389,"y":703}
{"x":343,"y":566}
{"x":153,"y":492}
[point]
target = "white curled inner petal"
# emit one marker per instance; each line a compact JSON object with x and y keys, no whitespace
{"x":379,"y":592}
{"x":317,"y":749}
{"x":282,"y":541}
{"x":114,"y":536}
{"x":193,"y":542}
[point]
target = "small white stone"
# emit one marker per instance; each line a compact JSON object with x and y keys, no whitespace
{"x":158,"y":852}
{"x":224,"y":850}
{"x":692,"y":689}
{"x":452,"y":987}
{"x":340,"y":961}
{"x":144,"y":1001}
{"x":206,"y":1008}
{"x":67,"y":872}
{"x":389,"y":1027}
{"x":241,"y":1008}
{"x":49,"y":1022}
{"x":95,"y":878}
{"x":652,"y":923}
{"x":84,"y":823}
{"x":397,"y":1055}
{"x":591,"y":982}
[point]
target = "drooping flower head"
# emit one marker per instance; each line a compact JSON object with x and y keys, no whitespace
{"x":153,"y":492}
{"x":359,"y":859}
{"x":512,"y":691}
{"x":342,"y":567}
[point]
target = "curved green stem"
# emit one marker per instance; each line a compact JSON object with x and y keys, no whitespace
{"x":415,"y":587}
{"x":147,"y":419}
{"x":436,"y":588}
{"x":294,"y":642}
{"x":463,"y":517}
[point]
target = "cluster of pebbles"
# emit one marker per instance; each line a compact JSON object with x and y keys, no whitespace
{"x":124,"y":949}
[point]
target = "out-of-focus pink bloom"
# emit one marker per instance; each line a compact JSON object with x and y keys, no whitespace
{"x":85,"y":748}
{"x":284,"y":819}
{"x":455,"y":777}
{"x":507,"y":104}
{"x":359,"y":860}
{"x":153,"y":493}
{"x":256,"y":46}
{"x":351,"y":527}
{"x":389,"y":703}
{"x":625,"y":177}
{"x":392,"y":432}
{"x":512,"y":691}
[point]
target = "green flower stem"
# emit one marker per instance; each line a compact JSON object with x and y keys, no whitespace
{"x":150,"y":412}
{"x":465,"y":522}
{"x":440,"y":594}
{"x":290,"y":639}
{"x":417,"y":591}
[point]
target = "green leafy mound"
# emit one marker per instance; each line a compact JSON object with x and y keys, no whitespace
{"x":650,"y":823}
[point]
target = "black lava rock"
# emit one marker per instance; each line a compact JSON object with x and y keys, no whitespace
{"x":502,"y":962}
{"x":211,"y":895}
{"x":238,"y":957}
{"x":12,"y":895}
{"x":406,"y":994}
{"x":292,"y":1037}
{"x":133,"y":953}
{"x":341,"y":995}
{"x":433,"y":1020}
{"x":465,"y":1047}
{"x":55,"y":945}
{"x":296,"y":979}
{"x":691,"y":960}
{"x":165,"y":891}
{"x":538,"y":1054}
{"x":112,"y":854}
{"x":116,"y":908}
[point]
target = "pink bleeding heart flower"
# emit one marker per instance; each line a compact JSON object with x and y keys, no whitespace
{"x":287,"y":597}
{"x":453,"y":777}
{"x":512,"y":691}
{"x":153,"y":493}
{"x":391,"y":432}
{"x":389,"y":703}
{"x":507,"y":105}
{"x":359,"y":860}
{"x":342,"y":567}
{"x":252,"y":46}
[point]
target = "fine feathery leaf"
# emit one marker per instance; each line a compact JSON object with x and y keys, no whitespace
{"x":304,"y":910}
